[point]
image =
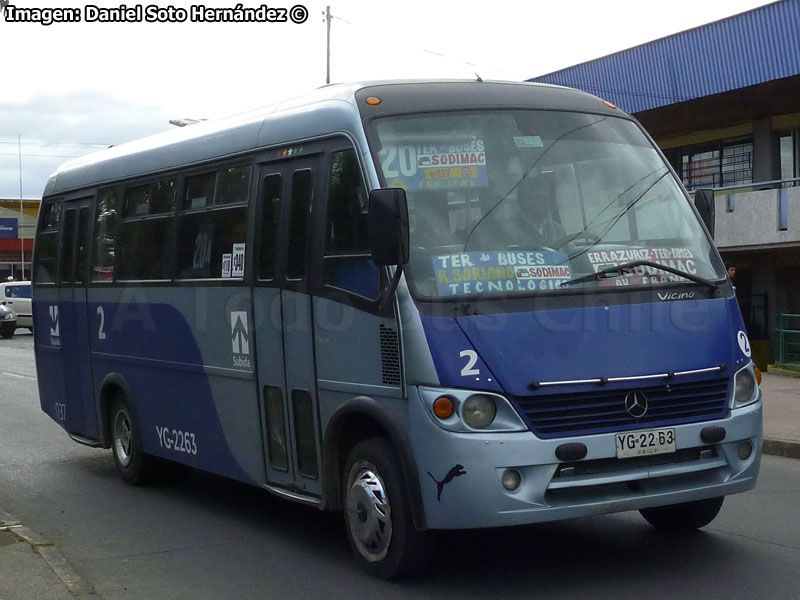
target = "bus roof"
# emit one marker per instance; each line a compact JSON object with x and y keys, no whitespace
{"x":329,"y":109}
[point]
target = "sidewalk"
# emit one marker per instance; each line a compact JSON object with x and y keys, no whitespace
{"x":781,"y":415}
{"x":33,"y":568}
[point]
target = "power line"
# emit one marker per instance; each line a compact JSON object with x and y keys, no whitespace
{"x":428,"y":51}
{"x":340,"y":19}
{"x":42,"y":155}
{"x":36,"y":143}
{"x":448,"y":57}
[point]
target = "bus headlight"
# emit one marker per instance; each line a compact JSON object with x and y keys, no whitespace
{"x":745,"y":387}
{"x":470,"y":411}
{"x":479,"y":411}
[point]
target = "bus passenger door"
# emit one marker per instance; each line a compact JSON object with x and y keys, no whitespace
{"x":72,"y":319}
{"x":269,"y":331}
{"x":284,"y":340}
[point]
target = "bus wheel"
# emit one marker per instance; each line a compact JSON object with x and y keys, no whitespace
{"x":133,"y":465}
{"x":683,"y":517}
{"x":377,"y":514}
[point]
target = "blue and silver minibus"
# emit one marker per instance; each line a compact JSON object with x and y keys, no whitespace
{"x":427,"y":305}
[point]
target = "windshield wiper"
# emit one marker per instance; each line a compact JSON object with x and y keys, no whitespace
{"x":617,"y":272}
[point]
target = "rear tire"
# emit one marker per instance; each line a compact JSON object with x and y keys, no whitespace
{"x":377,"y":513}
{"x":134,"y":466}
{"x":683,"y":517}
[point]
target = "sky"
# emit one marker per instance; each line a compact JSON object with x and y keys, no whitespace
{"x":74,"y":87}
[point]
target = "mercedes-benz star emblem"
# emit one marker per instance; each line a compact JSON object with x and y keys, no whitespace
{"x":636,"y":404}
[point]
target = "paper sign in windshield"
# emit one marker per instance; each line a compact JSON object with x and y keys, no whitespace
{"x":681,"y":259}
{"x":499,"y":272}
{"x":436,"y":165}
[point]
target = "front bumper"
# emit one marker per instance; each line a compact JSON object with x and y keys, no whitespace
{"x":476,"y":498}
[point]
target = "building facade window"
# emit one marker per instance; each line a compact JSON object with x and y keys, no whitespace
{"x":720,"y":164}
{"x":790,"y":156}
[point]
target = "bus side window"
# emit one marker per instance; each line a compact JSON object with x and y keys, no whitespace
{"x":47,"y":244}
{"x":348,"y":263}
{"x":82,"y":249}
{"x":270,"y":213}
{"x":233,"y":184}
{"x":298,"y":226}
{"x":214,"y":224}
{"x":105,"y":242}
{"x":68,"y":247}
{"x":146,"y":231}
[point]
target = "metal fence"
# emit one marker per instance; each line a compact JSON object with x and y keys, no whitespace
{"x":789,"y":340}
{"x":756,"y":186}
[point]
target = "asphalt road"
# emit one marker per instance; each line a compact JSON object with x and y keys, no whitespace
{"x":207,"y":537}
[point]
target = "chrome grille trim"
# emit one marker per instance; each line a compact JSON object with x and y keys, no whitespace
{"x":604,"y":380}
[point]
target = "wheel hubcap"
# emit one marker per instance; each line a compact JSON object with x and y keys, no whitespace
{"x":122,"y":438}
{"x":369,"y":514}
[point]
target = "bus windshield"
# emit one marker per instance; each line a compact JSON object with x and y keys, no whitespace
{"x":524,"y":201}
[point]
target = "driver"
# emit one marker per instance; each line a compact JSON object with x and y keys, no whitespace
{"x":535,"y":197}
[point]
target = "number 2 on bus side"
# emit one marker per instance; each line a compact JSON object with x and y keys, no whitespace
{"x":101,"y":334}
{"x":472,"y":358}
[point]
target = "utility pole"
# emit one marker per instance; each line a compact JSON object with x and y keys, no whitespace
{"x":328,"y":50}
{"x":21,"y":209}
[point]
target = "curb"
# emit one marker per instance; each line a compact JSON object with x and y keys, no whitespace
{"x":75,"y":584}
{"x":783,"y":448}
{"x":776,"y":370}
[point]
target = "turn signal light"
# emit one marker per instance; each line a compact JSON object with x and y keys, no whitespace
{"x":443,"y":407}
{"x":758,"y":375}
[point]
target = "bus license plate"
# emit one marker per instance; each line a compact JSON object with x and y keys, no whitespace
{"x":645,"y":443}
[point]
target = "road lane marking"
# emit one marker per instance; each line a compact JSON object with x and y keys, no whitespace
{"x":28,"y":377}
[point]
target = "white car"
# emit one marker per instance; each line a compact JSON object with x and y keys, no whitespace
{"x":17,"y":296}
{"x":8,"y":322}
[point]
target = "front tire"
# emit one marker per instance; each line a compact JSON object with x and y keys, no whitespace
{"x":134,"y":466}
{"x":377,"y":513}
{"x":683,"y":517}
{"x":7,"y":333}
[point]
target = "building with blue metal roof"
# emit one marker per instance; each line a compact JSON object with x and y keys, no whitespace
{"x":751,"y":48}
{"x":723,"y":103}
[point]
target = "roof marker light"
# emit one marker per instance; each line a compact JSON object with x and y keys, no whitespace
{"x":608,"y":104}
{"x":373,"y":101}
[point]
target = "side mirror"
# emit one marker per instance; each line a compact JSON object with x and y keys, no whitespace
{"x":388,"y":226}
{"x":704,"y":202}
